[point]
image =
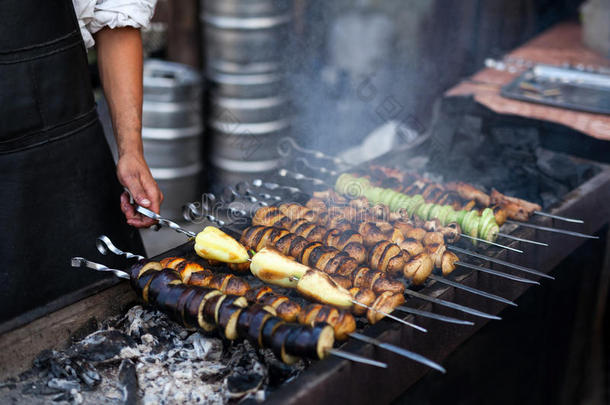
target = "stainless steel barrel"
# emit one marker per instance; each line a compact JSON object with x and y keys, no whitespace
{"x":247,"y":142}
{"x":172,"y":131}
{"x":246,"y":8}
{"x":228,"y":172}
{"x":251,"y":44}
{"x":245,"y":85}
{"x":179,"y":185}
{"x":249,"y":111}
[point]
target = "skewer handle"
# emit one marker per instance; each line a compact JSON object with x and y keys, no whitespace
{"x":287,"y":144}
{"x":163,"y":221}
{"x":105,"y":245}
{"x":80,"y":262}
{"x":301,"y":176}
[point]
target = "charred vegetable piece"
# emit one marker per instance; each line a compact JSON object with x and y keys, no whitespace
{"x":214,"y":244}
{"x":364,"y":296}
{"x":159,"y":282}
{"x":418,"y":268}
{"x":269,"y":329}
{"x":210,"y":308}
{"x":320,"y":287}
{"x":272,"y":267}
{"x":243,"y":321}
{"x":143,"y":282}
{"x":278,"y":341}
{"x":385,"y":303}
{"x":194,"y":308}
{"x":312,"y":343}
{"x":227,"y":320}
{"x":168,"y":298}
{"x":142,"y":266}
{"x":255,"y":329}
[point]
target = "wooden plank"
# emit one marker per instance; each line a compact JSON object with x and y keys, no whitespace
{"x":19,"y":347}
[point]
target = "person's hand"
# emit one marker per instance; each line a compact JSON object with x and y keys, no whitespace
{"x":134,"y":174}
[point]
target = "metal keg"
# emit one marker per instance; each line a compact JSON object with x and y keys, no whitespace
{"x":172,"y":147}
{"x":247,"y":142}
{"x":249,"y":8}
{"x":172,"y":129}
{"x":245,"y":85}
{"x":245,"y":44}
{"x":245,"y":37}
{"x":248,"y":110}
{"x":169,"y":81}
{"x":228,"y":172}
{"x":179,"y":186}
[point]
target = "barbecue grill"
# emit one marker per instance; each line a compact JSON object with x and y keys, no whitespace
{"x":337,"y":379}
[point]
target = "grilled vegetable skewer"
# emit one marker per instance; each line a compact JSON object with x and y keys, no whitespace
{"x":209,"y":309}
{"x":330,"y":260}
{"x":270,"y":266}
{"x":342,"y":322}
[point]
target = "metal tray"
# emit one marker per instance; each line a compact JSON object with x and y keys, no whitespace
{"x":561,"y":87}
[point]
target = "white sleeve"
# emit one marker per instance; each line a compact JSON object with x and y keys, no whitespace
{"x":85,"y":12}
{"x":98,"y":14}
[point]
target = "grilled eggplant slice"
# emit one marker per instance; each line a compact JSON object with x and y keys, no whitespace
{"x":227,"y":319}
{"x":255,"y":329}
{"x":278,"y":341}
{"x":310,"y":342}
{"x":160,"y":280}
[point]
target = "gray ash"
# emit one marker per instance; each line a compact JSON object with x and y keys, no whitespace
{"x":144,"y":357}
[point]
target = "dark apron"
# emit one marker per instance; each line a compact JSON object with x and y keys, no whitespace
{"x":58,"y":187}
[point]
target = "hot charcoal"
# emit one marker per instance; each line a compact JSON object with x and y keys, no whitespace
{"x":470,"y":143}
{"x":143,"y":357}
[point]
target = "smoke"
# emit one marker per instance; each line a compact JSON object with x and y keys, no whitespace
{"x":349,"y":72}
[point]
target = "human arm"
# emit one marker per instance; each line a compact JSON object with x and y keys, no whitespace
{"x":120,"y":65}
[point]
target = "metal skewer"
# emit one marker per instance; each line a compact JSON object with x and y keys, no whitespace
{"x":163,"y":221}
{"x":80,"y":262}
{"x":549,"y":229}
{"x":490,"y":243}
{"x":472,"y":290}
{"x":432,"y":315}
{"x":287,"y":144}
{"x":398,"y":350}
{"x":394,"y":318}
{"x":291,"y":143}
{"x":105,"y":245}
{"x":566,"y":219}
{"x":450,"y":304}
{"x":496,"y":273}
{"x":301,"y":176}
{"x":499,"y":261}
{"x":533,"y":242}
